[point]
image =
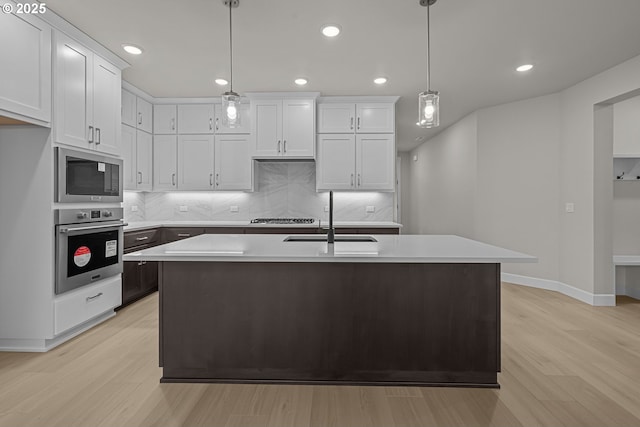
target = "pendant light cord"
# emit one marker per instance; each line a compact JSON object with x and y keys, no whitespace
{"x":231,"y":45}
{"x":428,"y":53}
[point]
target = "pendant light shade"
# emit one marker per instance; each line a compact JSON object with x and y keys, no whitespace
{"x":429,"y":100}
{"x":230,"y":99}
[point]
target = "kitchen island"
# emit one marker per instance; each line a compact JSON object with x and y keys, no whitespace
{"x":403,"y":310}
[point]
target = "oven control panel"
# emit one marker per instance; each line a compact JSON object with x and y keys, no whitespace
{"x":75,"y":216}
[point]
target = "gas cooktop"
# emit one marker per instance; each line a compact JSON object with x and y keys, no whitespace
{"x":283,"y":221}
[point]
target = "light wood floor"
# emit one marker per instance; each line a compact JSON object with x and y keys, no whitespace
{"x":564,"y":364}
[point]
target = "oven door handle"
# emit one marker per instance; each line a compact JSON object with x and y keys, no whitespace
{"x":92,"y":227}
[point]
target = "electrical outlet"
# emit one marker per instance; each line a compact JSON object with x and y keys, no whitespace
{"x":184,"y":208}
{"x":326,"y":208}
{"x":134,"y":208}
{"x":569,"y":208}
{"x":233,"y":208}
{"x":370,"y":209}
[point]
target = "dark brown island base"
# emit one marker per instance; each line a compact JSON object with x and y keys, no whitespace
{"x":402,"y":310}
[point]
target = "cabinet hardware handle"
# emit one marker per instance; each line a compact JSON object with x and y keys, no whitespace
{"x":173,"y":124}
{"x":139,"y":239}
{"x":90,"y":134}
{"x":285,"y":145}
{"x":210,"y":124}
{"x":210,"y":179}
{"x":94,"y":297}
{"x":139,"y":177}
{"x":184,"y":235}
{"x":352,"y":180}
{"x":139,"y":263}
{"x":217,"y":180}
{"x":358,"y":123}
{"x":278,"y":146}
{"x":97,"y":136}
{"x":351,"y":123}
{"x":139,"y":118}
{"x":173,"y":179}
{"x":359,"y":181}
{"x":217,"y":123}
{"x":144,"y":262}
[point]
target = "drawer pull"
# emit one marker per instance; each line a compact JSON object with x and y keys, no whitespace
{"x":139,"y":239}
{"x":94,"y":297}
{"x":184,"y":235}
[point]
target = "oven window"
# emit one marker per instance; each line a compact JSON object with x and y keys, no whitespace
{"x":92,"y":178}
{"x":91,"y":251}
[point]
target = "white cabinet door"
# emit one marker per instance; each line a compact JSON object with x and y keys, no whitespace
{"x":336,"y":118}
{"x":375,"y":118}
{"x":164,"y":119}
{"x":298,"y":128}
{"x":165,"y":150}
{"x":266,"y":126}
{"x":128,"y":154}
{"x":144,"y":115}
{"x":106,"y":106}
{"x":195,"y":162}
{"x":245,"y":120}
{"x":375,"y":162}
{"x":73,"y":93}
{"x":128,"y":108}
{"x":336,"y":162}
{"x":25,"y":73}
{"x":233,"y":164}
{"x":144,"y":160}
{"x":195,"y":119}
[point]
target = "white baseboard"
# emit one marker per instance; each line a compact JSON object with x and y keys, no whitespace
{"x":44,"y":345}
{"x":552,"y":285}
{"x":632,"y":292}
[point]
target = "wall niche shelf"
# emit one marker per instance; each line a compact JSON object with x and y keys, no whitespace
{"x":626,"y":168}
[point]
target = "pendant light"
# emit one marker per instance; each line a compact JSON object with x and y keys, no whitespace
{"x":429,"y":100}
{"x":230,"y":99}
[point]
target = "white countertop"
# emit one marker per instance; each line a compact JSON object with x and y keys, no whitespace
{"x":272,"y":248}
{"x":142,"y":225}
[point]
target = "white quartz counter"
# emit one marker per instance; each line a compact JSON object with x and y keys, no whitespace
{"x":272,"y":248}
{"x":143,"y":225}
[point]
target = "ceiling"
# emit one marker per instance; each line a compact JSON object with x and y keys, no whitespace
{"x":475,"y":47}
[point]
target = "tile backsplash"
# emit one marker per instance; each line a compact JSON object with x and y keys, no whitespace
{"x":283,"y":189}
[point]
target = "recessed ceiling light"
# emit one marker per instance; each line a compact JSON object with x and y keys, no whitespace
{"x":301,"y":81}
{"x":380,"y":80}
{"x":525,"y":67}
{"x":221,"y":82}
{"x":132,"y":49}
{"x":330,"y":30}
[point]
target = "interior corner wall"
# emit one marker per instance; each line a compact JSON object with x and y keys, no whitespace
{"x":405,"y":191}
{"x":442,"y":172}
{"x":579,"y":160}
{"x":517,"y":192}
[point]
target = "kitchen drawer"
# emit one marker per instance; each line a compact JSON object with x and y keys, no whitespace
{"x":224,"y":230}
{"x":172,"y":234}
{"x":77,"y":306}
{"x":138,"y":238}
{"x":281,"y":230}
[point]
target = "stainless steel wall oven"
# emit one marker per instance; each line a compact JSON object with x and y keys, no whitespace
{"x":89,"y":246}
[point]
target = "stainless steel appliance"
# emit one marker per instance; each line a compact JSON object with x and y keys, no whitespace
{"x":87,"y":177}
{"x":88,"y":246}
{"x":283,"y":221}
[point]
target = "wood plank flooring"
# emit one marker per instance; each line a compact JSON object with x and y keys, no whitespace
{"x":564,"y":364}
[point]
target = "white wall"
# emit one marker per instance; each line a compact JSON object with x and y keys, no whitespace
{"x":443,"y":182}
{"x":517,"y":193}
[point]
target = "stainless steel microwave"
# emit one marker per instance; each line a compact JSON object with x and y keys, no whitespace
{"x":87,"y":177}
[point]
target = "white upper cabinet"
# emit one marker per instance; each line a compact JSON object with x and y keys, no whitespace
{"x":87,"y":98}
{"x":195,"y":119}
{"x":626,"y":128}
{"x":233,"y":164}
{"x":195,"y":162}
{"x":355,"y":162}
{"x":165,"y":164}
{"x":165,"y":119}
{"x":137,"y":159}
{"x":359,"y":117}
{"x":245,"y":120}
{"x":136,"y":112}
{"x":129,"y":157}
{"x":283,"y":128}
{"x":25,"y":74}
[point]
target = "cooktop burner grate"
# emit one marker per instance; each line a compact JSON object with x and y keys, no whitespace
{"x":282,"y":221}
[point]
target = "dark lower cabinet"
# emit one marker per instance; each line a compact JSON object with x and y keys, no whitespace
{"x":139,"y":279}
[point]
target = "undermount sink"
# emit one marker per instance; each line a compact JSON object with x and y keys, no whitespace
{"x":323,"y":238}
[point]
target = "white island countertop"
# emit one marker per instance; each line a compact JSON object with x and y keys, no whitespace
{"x":143,"y":225}
{"x":273,"y":248}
